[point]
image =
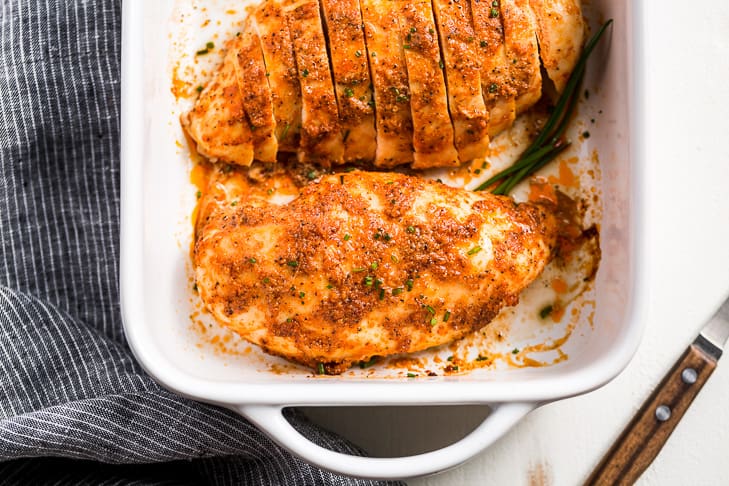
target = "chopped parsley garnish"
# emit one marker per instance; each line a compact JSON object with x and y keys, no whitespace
{"x":311,"y":175}
{"x":544,"y":313}
{"x":493,"y":88}
{"x":199,"y":89}
{"x":515,"y":351}
{"x":474,"y":250}
{"x":483,"y":43}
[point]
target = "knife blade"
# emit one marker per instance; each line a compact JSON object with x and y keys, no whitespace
{"x":644,"y":437}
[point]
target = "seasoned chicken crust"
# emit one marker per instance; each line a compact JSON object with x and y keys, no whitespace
{"x":364,"y":264}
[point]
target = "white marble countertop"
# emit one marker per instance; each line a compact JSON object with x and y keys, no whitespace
{"x":687,"y":104}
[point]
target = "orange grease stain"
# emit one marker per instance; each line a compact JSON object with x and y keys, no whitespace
{"x":559,"y":285}
{"x":566,"y":177}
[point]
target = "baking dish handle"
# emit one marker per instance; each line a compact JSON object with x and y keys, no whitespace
{"x":503,"y":416}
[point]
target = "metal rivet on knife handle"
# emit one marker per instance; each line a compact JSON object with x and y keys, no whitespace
{"x":663,"y":413}
{"x":689,"y":376}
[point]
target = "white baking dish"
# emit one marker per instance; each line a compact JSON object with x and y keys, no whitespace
{"x":157,"y":200}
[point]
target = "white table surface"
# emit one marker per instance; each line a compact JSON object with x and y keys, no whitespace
{"x":687,"y":105}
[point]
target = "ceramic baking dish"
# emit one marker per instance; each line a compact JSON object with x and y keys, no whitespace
{"x":157,"y":202}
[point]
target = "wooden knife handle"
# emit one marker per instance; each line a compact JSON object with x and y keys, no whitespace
{"x":643,"y":438}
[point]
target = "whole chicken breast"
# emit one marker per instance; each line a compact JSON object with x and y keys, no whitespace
{"x":364,"y":264}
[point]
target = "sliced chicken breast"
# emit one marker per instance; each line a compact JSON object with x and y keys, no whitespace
{"x":257,"y":101}
{"x":352,"y":83}
{"x":522,"y":51}
{"x":433,"y":138}
{"x":560,"y":31}
{"x":498,"y":93}
{"x":283,"y":80}
{"x":463,"y":78}
{"x":321,"y":136}
{"x":390,"y":82}
{"x":218,"y":123}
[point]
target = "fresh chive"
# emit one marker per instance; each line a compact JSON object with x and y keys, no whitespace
{"x":320,"y":368}
{"x":394,"y":258}
{"x":202,"y":52}
{"x":411,"y":229}
{"x":549,"y":143}
{"x":430,"y":309}
{"x":252,"y":260}
{"x":330,"y":286}
{"x":266,"y":280}
{"x":302,"y":295}
{"x":482,"y":358}
{"x":409,"y":284}
{"x":269,"y":192}
{"x":358,"y":270}
{"x":413,"y":30}
{"x":285,"y":132}
{"x":483,"y":43}
{"x":382,"y":294}
{"x":367,"y":364}
{"x":368,"y":280}
{"x":494,"y":13}
{"x":346,"y":135}
{"x":515,"y":351}
{"x":544,"y":313}
{"x":358,"y":53}
{"x":199,"y":194}
{"x":386,"y":237}
{"x":449,"y":358}
{"x":347,"y":237}
{"x":431,"y":31}
{"x":289,"y":319}
{"x":433,"y":321}
{"x":446,"y":316}
{"x":398,"y":291}
{"x":268,"y":75}
{"x":493,"y":88}
{"x":348,"y":92}
{"x":374,"y":265}
{"x":305,"y":72}
{"x":199,"y":89}
{"x":194,"y":287}
{"x":292,"y":263}
{"x":311,"y":175}
{"x":210,"y":46}
{"x":406,"y":46}
{"x":441,"y":65}
{"x":474,"y":250}
{"x":234,"y":203}
{"x":412,"y":375}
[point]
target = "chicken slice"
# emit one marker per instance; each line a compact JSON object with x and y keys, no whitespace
{"x":432,"y":129}
{"x":366,"y":264}
{"x":497,"y":91}
{"x":390,"y":82}
{"x":217,"y":123}
{"x":463,"y":77}
{"x":321,"y":137}
{"x":351,"y":78}
{"x":522,"y":51}
{"x":278,"y":55}
{"x":560,"y":31}
{"x":256,"y":93}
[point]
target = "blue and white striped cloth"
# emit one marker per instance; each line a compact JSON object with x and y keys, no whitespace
{"x":75,"y":408}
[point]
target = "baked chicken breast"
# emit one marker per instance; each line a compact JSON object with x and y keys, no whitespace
{"x":363,"y":264}
{"x":420,"y":83}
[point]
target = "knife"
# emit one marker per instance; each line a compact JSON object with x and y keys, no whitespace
{"x":643,"y":438}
